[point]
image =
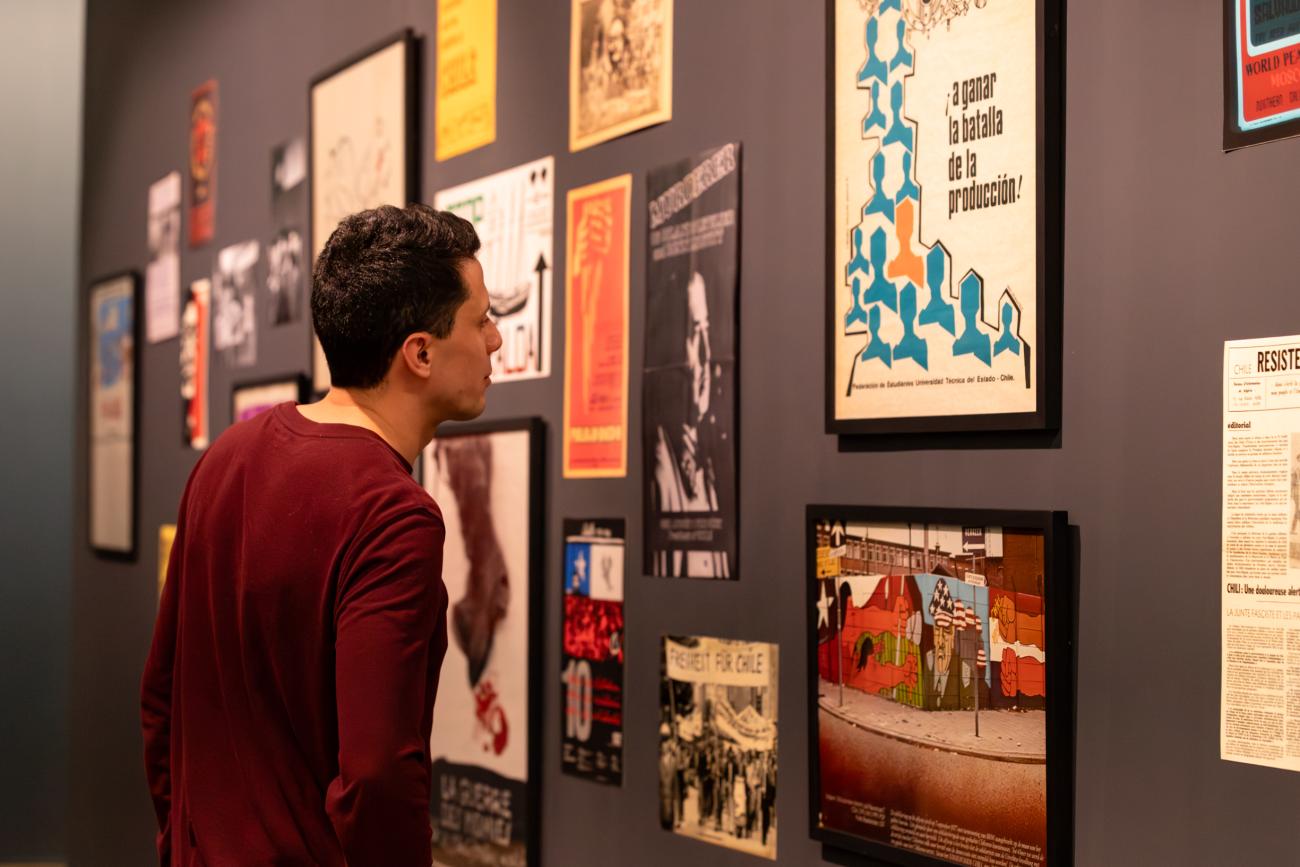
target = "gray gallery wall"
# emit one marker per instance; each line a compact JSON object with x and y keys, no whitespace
{"x":40,"y":173}
{"x":1170,"y":248}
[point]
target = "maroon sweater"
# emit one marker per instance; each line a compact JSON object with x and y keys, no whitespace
{"x":288,"y":695}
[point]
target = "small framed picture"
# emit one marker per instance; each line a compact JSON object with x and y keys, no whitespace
{"x":251,"y":399}
{"x":114,"y":412}
{"x":941,"y":684}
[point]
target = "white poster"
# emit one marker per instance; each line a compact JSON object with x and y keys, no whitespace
{"x":513,"y":212}
{"x":482,"y":805}
{"x":112,"y":414}
{"x":162,"y":276}
{"x":1259,"y":720}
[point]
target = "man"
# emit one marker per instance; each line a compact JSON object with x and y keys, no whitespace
{"x":288,"y":696}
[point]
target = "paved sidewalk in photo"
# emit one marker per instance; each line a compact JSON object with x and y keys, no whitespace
{"x":1005,"y":735}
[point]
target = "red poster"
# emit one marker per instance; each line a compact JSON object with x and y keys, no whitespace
{"x":595,"y":334}
{"x":203,"y":163}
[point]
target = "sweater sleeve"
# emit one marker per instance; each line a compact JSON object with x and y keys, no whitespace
{"x":389,"y":616}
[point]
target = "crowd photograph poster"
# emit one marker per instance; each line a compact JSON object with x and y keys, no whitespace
{"x":689,"y":395}
{"x":620,"y":68}
{"x":513,"y":212}
{"x":591,"y":655}
{"x":114,"y":379}
{"x":486,"y":478}
{"x":596,"y":330}
{"x":1261,"y":71}
{"x":717,"y":742}
{"x":944,"y":211}
{"x":361,"y":150}
{"x":940,"y":685}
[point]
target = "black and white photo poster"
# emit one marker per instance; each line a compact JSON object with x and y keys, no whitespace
{"x":689,"y":419}
{"x":717,"y":742}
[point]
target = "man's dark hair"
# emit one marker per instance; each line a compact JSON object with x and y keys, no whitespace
{"x":384,"y":274}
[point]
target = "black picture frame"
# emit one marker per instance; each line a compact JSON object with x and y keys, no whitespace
{"x":1234,"y":136}
{"x":128,"y":551}
{"x":538,"y":683}
{"x":1050,"y":145}
{"x":410,"y":137}
{"x":299,"y":382}
{"x":1059,"y":674}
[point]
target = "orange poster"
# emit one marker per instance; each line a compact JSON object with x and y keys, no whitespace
{"x":595,"y":334}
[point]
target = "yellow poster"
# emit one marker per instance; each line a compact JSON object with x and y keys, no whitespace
{"x":166,"y":536}
{"x":465,"y":107}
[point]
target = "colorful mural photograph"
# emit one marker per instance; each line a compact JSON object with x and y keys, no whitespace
{"x":931,"y":689}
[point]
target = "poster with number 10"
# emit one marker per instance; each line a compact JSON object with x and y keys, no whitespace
{"x":591,"y":658}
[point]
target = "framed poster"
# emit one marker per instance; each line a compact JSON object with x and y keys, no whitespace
{"x":114,"y":413}
{"x":591,"y":654}
{"x":486,"y":747}
{"x":465,"y":89}
{"x":941,"y":684}
{"x":689,"y":397}
{"x":251,"y":399}
{"x":1261,"y":71}
{"x":944,"y":202}
{"x":717,"y":742}
{"x":514,"y":214}
{"x":595,"y":334}
{"x":620,"y":68}
{"x":196,"y":333}
{"x":203,"y":163}
{"x":362,"y":151}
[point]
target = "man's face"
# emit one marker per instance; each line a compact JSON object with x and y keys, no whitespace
{"x":462,"y":364}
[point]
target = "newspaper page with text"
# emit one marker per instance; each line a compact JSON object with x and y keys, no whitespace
{"x":1259,"y":718}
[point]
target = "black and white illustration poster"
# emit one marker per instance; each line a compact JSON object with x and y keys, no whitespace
{"x":689,"y":419}
{"x":717,"y":742}
{"x":234,"y":319}
{"x":591,"y":657}
{"x":484,"y":787}
{"x":514,"y":214}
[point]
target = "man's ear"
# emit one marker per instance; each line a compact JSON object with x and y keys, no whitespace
{"x":417,"y":353}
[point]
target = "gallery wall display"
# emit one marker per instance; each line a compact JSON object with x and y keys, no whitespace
{"x":620,"y":68}
{"x":598,"y":233}
{"x":362,"y":147}
{"x":465,"y":90}
{"x":203,"y":163}
{"x":196,"y":333}
{"x":251,"y":399}
{"x":941,"y":684}
{"x":1261,"y":69}
{"x":944,"y":208}
{"x":514,"y":214}
{"x":717,"y":742}
{"x":689,"y":396}
{"x":591,"y":652}
{"x":486,"y":750}
{"x":114,"y":381}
